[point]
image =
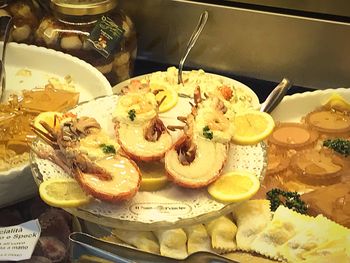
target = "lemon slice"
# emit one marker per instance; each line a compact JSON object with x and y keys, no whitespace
{"x":337,"y":102}
{"x":234,"y":187}
{"x":170,"y":95}
{"x":153,"y":176}
{"x":63,"y":193}
{"x":48,"y":117}
{"x":252,"y":127}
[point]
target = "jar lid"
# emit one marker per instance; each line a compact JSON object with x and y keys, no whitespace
{"x":83,"y":7}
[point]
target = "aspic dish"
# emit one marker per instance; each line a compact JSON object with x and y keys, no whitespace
{"x":70,"y":76}
{"x":133,"y":121}
{"x":302,"y":153}
{"x":310,"y":153}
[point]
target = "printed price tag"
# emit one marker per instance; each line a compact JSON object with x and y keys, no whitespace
{"x":18,"y":242}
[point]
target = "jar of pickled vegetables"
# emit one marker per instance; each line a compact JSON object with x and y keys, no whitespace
{"x":96,"y":31}
{"x":26,"y":16}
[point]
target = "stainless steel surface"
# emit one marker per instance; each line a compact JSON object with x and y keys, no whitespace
{"x":333,"y":7}
{"x":7,"y":20}
{"x":84,"y":244}
{"x":276,"y":96}
{"x":193,"y":39}
{"x":264,"y":45}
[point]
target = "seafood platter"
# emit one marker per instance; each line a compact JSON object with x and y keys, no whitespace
{"x":55,"y":82}
{"x":124,"y":138}
{"x":173,"y":169}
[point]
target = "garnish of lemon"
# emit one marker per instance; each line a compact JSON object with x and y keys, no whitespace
{"x":170,"y":95}
{"x":337,"y":102}
{"x":251,"y":127}
{"x":48,"y":117}
{"x":153,"y":176}
{"x":234,"y":187}
{"x":63,"y":193}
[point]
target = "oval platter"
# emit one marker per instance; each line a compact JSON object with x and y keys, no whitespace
{"x":172,"y":206}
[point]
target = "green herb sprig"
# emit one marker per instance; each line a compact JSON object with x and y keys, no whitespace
{"x":108,"y":148}
{"x":207,"y":133}
{"x":132,"y":114}
{"x":291,"y":200}
{"x":339,"y":145}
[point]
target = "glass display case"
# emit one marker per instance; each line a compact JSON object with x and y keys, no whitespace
{"x":305,"y":41}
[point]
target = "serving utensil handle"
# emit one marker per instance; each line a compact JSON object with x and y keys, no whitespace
{"x":197,"y":31}
{"x":276,"y":96}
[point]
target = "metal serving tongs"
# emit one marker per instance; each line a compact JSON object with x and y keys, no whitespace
{"x":198,"y":30}
{"x":8,"y":22}
{"x":276,"y":96}
{"x":86,"y":248}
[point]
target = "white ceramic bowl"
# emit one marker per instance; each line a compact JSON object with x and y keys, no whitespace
{"x":42,"y":64}
{"x":294,"y":107}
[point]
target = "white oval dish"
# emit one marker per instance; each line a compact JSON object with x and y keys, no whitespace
{"x":293,"y":107}
{"x":40,"y":64}
{"x":172,"y":206}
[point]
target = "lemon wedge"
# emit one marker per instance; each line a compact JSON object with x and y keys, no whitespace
{"x":170,"y":94}
{"x":153,"y":176}
{"x":63,"y":193}
{"x":251,"y":127}
{"x":337,"y":102}
{"x":234,"y":187}
{"x":48,"y":117}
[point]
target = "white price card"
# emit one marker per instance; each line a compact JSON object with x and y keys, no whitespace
{"x":18,"y":242}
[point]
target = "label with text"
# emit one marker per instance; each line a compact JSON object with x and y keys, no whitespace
{"x":18,"y":242}
{"x":105,"y":36}
{"x":170,"y":208}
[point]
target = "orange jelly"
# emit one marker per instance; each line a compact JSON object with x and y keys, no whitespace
{"x":297,"y":159}
{"x":329,"y":121}
{"x":293,"y":135}
{"x":18,"y":113}
{"x":332,"y":201}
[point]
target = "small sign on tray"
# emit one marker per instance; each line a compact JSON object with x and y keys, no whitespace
{"x":18,"y":242}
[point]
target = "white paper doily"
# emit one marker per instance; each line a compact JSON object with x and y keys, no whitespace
{"x":172,"y":206}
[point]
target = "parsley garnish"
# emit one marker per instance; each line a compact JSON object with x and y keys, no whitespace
{"x":132,"y":114}
{"x":341,"y":146}
{"x":207,"y":133}
{"x":291,"y":200}
{"x":107,"y":148}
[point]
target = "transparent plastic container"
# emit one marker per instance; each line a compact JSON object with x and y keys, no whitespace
{"x":96,"y":31}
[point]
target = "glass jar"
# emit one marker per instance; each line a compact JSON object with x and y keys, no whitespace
{"x":26,"y":16}
{"x":95,"y":31}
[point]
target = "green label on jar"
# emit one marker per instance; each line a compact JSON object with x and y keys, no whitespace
{"x":105,"y":36}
